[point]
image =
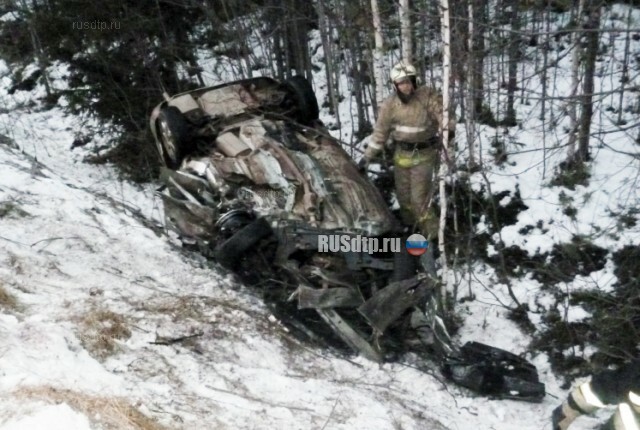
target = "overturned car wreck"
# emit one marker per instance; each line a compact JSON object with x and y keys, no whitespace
{"x":254,"y":180}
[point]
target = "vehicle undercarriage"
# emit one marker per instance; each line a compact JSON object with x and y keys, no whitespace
{"x":254,"y":180}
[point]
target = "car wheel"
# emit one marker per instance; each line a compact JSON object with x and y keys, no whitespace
{"x":305,"y":99}
{"x":229,"y":252}
{"x":172,"y":136}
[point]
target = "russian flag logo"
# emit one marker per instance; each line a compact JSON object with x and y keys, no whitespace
{"x":417,"y":244}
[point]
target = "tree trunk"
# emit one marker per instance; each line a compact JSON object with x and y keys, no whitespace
{"x":277,"y":48}
{"x":297,"y":16}
{"x":444,"y":132}
{"x":273,"y":14}
{"x":514,"y":57}
{"x":460,"y":26}
{"x":470,"y":102}
{"x":625,"y":67}
{"x":572,"y":108}
{"x":358,"y":66}
{"x":328,"y":56}
{"x":591,"y":51}
{"x":405,"y":31}
{"x":378,"y":65}
{"x":545,"y":61}
{"x":477,"y":73}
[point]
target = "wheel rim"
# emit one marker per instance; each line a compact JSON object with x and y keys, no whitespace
{"x":168,"y":141}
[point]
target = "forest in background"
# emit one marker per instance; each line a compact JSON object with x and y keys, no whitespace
{"x":121,"y":55}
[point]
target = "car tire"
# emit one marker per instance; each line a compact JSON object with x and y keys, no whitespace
{"x":229,"y":252}
{"x":173,"y":132}
{"x":305,"y":99}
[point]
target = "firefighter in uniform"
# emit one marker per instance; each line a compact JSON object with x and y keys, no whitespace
{"x":620,"y":386}
{"x":411,"y":117}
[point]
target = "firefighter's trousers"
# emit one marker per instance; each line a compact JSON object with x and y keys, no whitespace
{"x":414,"y":173}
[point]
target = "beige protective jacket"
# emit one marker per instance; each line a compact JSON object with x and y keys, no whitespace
{"x":416,"y":121}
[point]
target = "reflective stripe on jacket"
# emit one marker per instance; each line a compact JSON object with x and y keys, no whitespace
{"x":418,"y":120}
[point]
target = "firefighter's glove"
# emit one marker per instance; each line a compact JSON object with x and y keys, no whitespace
{"x":582,"y":400}
{"x":363,"y":165}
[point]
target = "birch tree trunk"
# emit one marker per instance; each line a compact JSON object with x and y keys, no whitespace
{"x":378,"y":66}
{"x":444,"y":132}
{"x":405,"y":31}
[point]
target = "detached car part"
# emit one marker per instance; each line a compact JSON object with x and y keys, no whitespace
{"x":494,"y":372}
{"x":253,"y":179}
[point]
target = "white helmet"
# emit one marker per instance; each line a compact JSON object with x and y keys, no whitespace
{"x":402,"y":71}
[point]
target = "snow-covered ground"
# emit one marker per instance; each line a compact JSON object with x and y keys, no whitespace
{"x":80,"y":259}
{"x":109,"y":324}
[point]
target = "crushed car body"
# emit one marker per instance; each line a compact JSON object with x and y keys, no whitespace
{"x":253,"y":179}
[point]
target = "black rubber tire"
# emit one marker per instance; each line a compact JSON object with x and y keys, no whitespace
{"x":173,"y":136}
{"x":229,"y":252}
{"x":305,"y":99}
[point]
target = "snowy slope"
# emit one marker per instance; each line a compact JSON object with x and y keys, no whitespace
{"x":82,"y":256}
{"x":69,"y":254}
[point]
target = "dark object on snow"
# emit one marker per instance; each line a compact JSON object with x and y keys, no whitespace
{"x":494,"y":372}
{"x":255,"y":181}
{"x":6,"y":140}
{"x":80,"y":141}
{"x":27,"y":84}
{"x":164,"y":340}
